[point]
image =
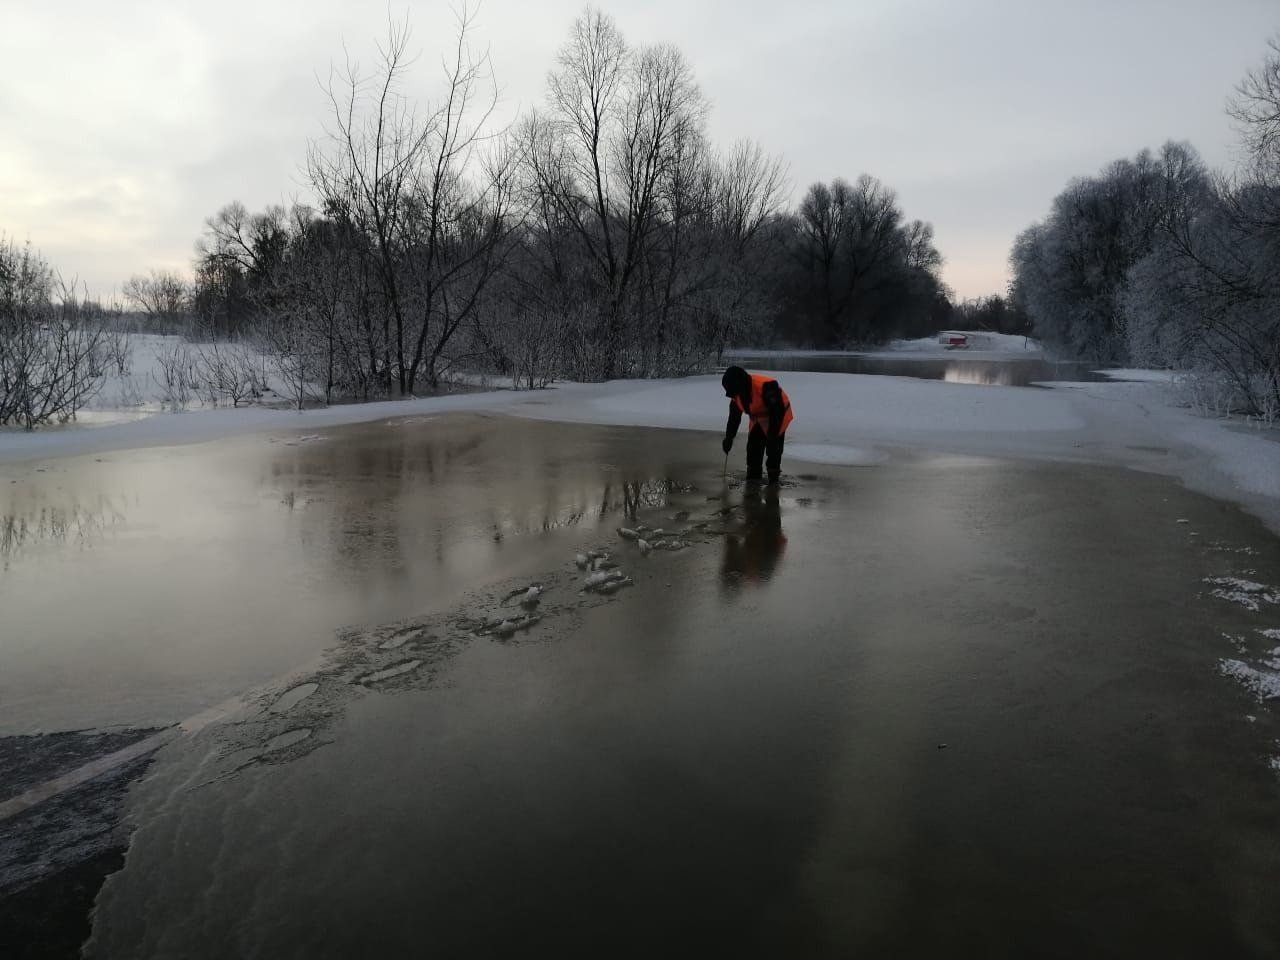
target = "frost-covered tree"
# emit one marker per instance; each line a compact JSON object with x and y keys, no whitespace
{"x":1207,"y":301}
{"x":1071,"y":270}
{"x":429,"y":186}
{"x":163,"y":297}
{"x":1207,"y":298}
{"x":1256,"y":109}
{"x":1202,"y":295}
{"x":54,"y":345}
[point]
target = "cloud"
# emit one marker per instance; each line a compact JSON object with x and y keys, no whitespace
{"x":137,"y":121}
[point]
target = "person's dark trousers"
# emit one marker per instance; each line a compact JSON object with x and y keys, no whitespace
{"x":757,"y":446}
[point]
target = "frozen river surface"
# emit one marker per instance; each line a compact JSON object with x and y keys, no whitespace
{"x":939,"y":706}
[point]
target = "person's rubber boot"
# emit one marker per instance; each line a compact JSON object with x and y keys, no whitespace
{"x":774,"y":477}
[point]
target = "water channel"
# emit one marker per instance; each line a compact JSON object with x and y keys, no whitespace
{"x":941,"y":705}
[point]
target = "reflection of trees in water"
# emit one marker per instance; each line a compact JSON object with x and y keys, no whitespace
{"x":373,"y":508}
{"x":625,"y":498}
{"x":382,"y":507}
{"x":78,"y":523}
{"x":649,"y":494}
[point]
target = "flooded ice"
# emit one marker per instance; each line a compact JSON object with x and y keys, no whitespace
{"x":199,"y":572}
{"x":942,"y":705}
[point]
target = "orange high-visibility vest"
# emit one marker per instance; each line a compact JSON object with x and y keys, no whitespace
{"x":757,"y":411}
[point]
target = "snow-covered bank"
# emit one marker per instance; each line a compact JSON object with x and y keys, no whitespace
{"x":840,"y":418}
{"x":981,"y":346}
{"x":979,"y":342}
{"x":852,"y":419}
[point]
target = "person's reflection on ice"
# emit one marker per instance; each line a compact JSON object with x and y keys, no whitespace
{"x":751,"y":555}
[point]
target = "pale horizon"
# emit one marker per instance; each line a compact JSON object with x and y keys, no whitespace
{"x":132,"y":127}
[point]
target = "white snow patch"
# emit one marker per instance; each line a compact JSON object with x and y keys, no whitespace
{"x":839,"y":407}
{"x":1218,"y":547}
{"x":835,"y":454}
{"x":1237,"y":641}
{"x":1247,"y":593}
{"x":1263,"y":684}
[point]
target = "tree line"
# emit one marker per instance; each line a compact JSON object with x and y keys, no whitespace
{"x":601,"y":235}
{"x":1158,"y":261}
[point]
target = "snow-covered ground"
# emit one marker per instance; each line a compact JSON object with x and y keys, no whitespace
{"x":137,"y":391}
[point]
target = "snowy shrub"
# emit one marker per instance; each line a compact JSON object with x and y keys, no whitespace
{"x":119,"y":350}
{"x":1208,"y":392}
{"x":227,"y":372}
{"x":1265,"y":391}
{"x":53,"y":346}
{"x":177,"y":377}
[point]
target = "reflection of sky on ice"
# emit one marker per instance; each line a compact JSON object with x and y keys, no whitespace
{"x":991,"y":375}
{"x":27,"y":527}
{"x":793,"y":682}
{"x":199,"y":571}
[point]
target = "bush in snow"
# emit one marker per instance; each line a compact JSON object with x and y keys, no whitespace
{"x":54,"y":346}
{"x":227,"y":373}
{"x":176,"y":377}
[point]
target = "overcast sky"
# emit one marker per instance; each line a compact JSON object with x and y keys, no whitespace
{"x":126,"y":124}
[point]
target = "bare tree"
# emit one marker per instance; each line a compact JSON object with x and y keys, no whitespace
{"x":1256,"y":109}
{"x":177,"y":377}
{"x":163,"y":296}
{"x":53,"y":352}
{"x":304,"y":333}
{"x":634,"y":219}
{"x":618,"y":123}
{"x":404,"y":178}
{"x":226,"y":372}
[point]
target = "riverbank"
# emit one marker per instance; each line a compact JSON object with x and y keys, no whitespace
{"x":841,"y":418}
